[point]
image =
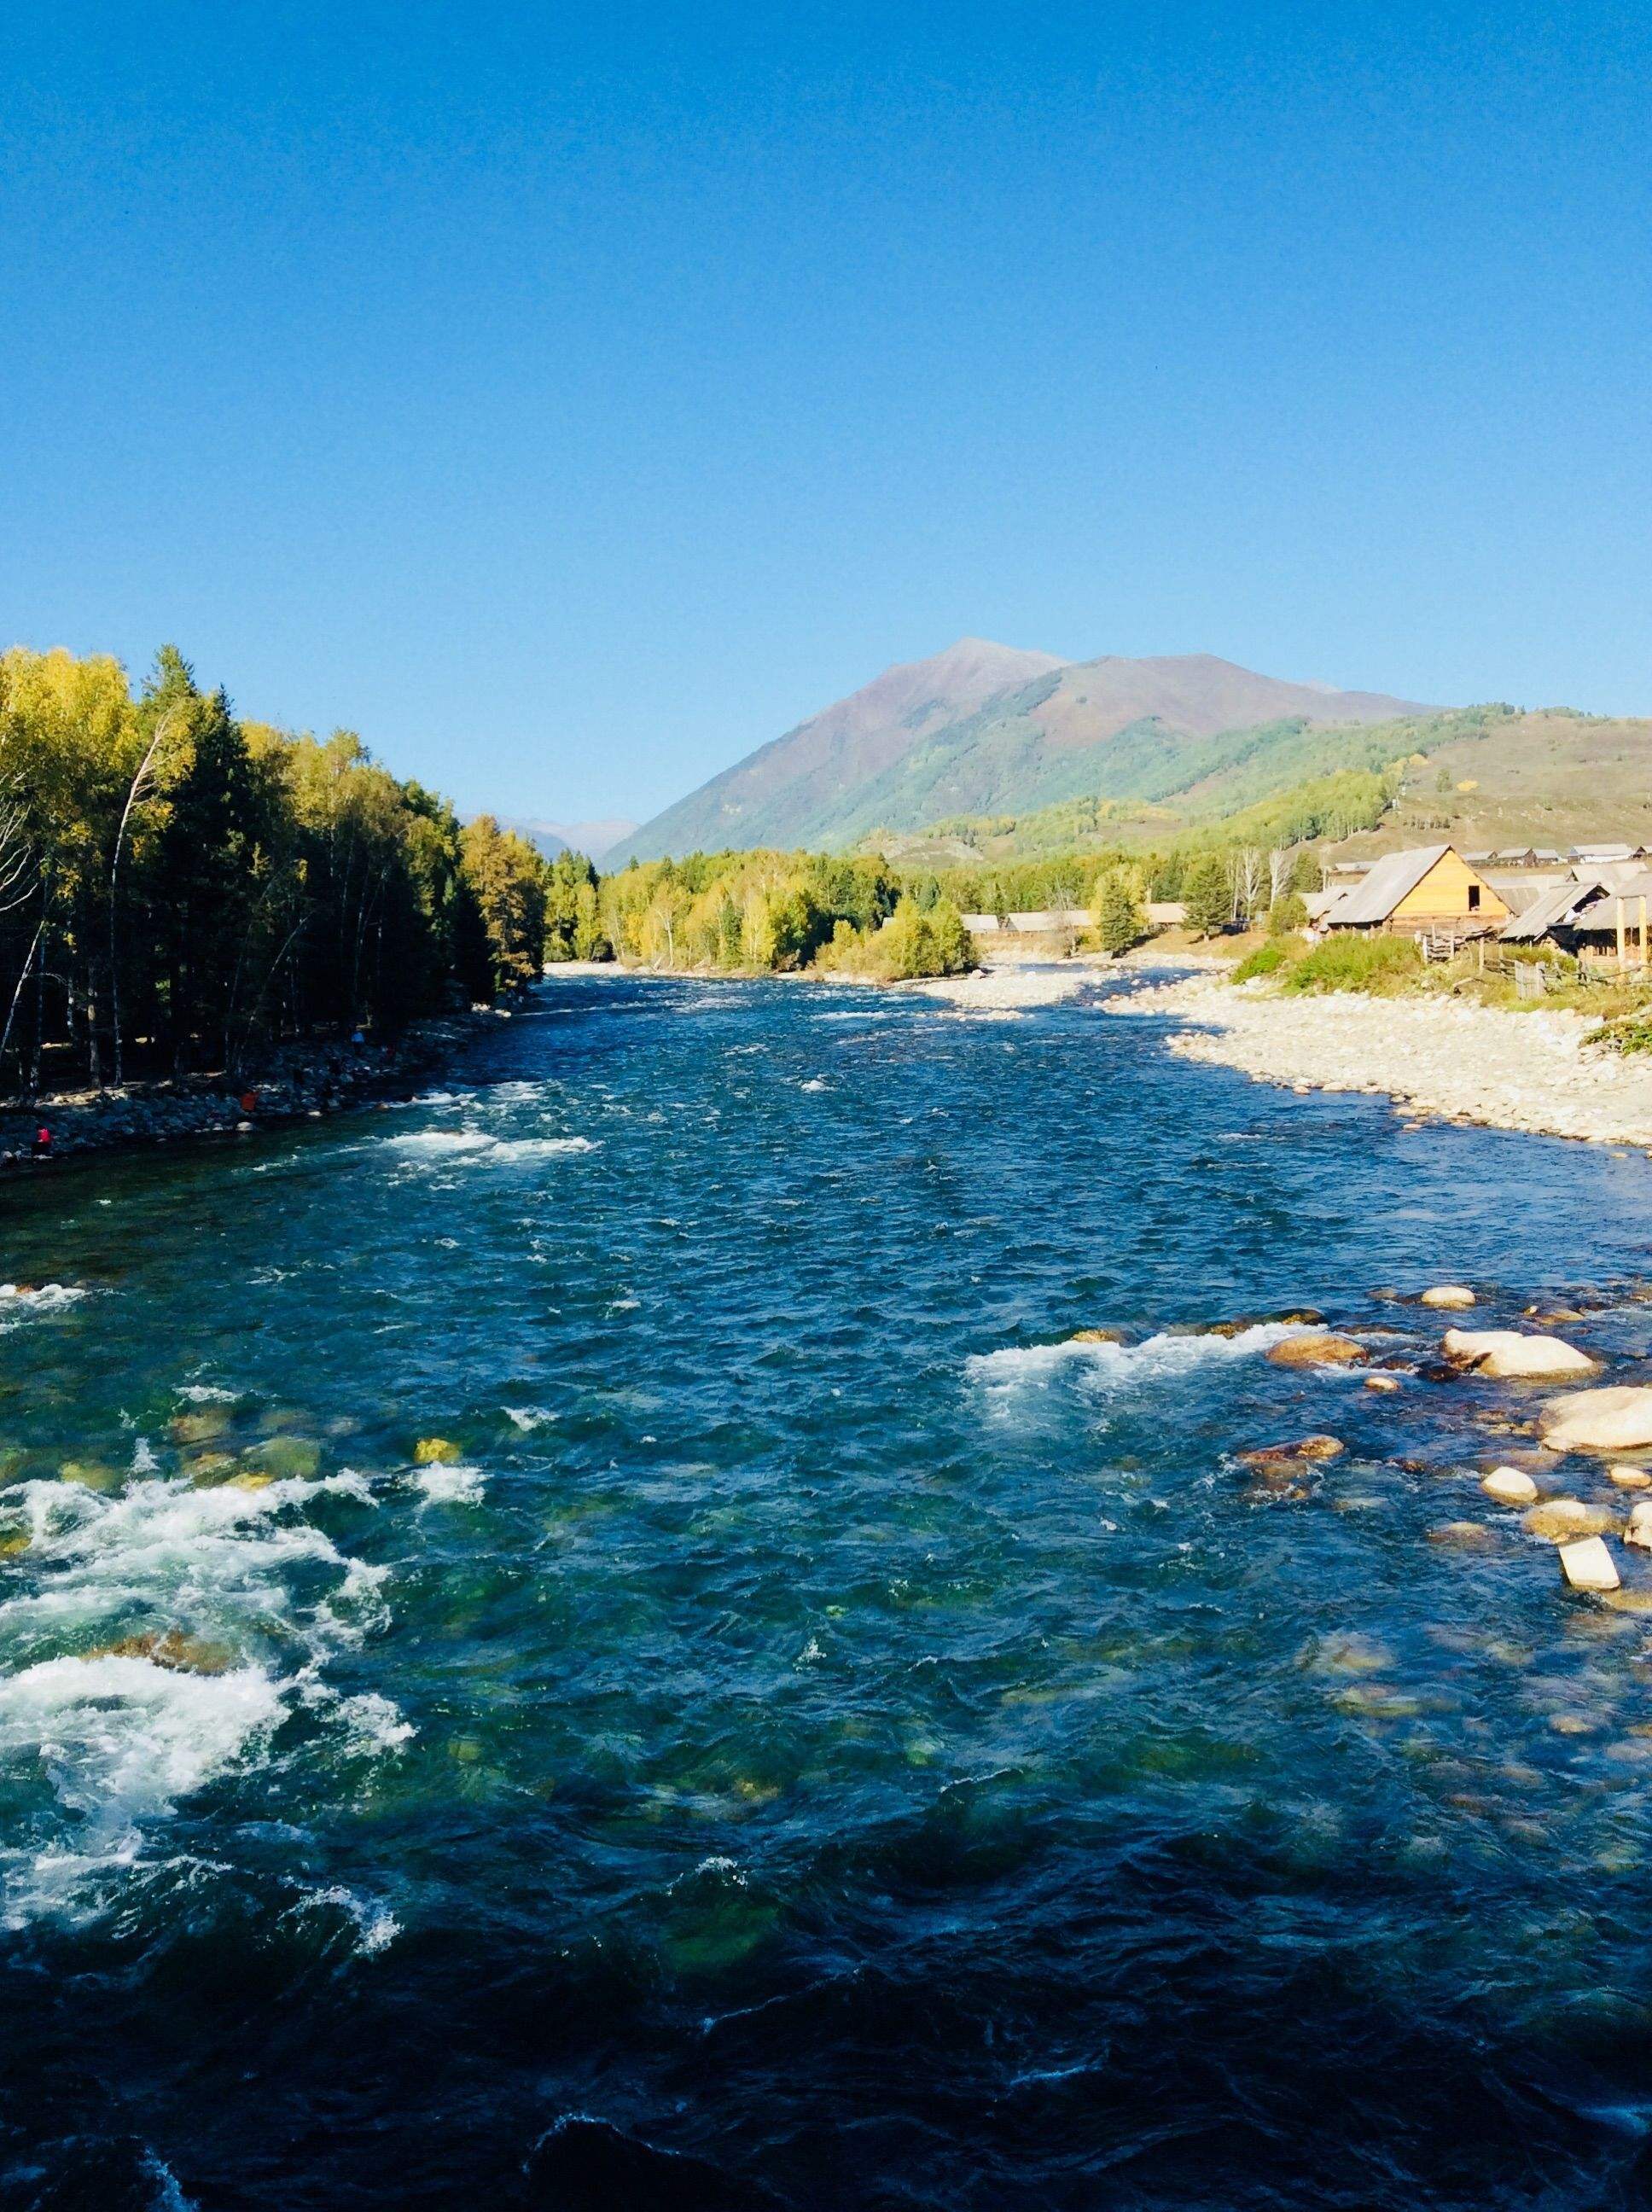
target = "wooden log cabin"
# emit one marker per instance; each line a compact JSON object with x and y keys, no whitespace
{"x":1430,"y":892}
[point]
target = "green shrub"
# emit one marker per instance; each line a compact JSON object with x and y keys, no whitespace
{"x":1265,"y":960}
{"x":1287,"y":914}
{"x":1357,"y":964}
{"x":1630,"y":1033}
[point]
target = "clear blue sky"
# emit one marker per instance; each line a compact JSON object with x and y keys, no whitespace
{"x":570,"y":398}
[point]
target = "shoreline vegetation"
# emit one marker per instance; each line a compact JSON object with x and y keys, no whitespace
{"x":186,"y":893}
{"x":207,"y":921}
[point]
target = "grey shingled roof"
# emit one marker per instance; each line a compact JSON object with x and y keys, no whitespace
{"x":1375,"y":897}
{"x":1557,"y":904}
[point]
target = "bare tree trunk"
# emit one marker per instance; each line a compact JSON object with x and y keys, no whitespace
{"x":16,"y":996}
{"x":39,"y":1012}
{"x":138,"y":784}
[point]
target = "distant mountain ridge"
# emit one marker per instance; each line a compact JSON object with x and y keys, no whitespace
{"x":983,"y":729}
{"x":591,"y":838}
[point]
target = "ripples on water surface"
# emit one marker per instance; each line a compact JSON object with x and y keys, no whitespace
{"x":805,"y":1738}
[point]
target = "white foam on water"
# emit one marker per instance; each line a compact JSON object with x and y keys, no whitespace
{"x":478,"y":1147}
{"x":814,"y":1082}
{"x":529,"y":1418}
{"x":440,"y":1143}
{"x":452,"y":1486}
{"x":370,"y":1725}
{"x":375,"y":1928}
{"x":207,"y":1393}
{"x":1106,"y":1368}
{"x":22,"y":1302}
{"x":541,"y":1148}
{"x":121,"y":1739}
{"x":144,"y":1459}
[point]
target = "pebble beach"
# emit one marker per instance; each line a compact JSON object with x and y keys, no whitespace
{"x":1532,"y":1072}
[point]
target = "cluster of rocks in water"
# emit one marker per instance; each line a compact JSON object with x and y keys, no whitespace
{"x":1607,"y":1427}
{"x":299,"y":1081}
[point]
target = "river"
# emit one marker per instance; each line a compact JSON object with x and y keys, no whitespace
{"x":586,"y":1641}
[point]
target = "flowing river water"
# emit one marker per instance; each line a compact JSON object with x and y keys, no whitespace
{"x":803,"y":1732}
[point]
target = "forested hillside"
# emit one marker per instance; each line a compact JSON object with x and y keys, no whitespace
{"x":1479,"y":775}
{"x":982,"y":728}
{"x":180,"y":888}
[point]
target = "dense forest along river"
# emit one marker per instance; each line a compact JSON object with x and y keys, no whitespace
{"x":586,"y":1642}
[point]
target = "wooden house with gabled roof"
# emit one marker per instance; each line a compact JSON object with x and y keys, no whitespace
{"x":1425,"y":893}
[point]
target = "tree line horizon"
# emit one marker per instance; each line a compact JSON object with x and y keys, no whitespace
{"x":183,"y":889}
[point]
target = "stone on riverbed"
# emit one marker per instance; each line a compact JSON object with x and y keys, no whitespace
{"x":1305,"y":1448}
{"x":1083,"y":1336}
{"x":1630,"y":1478}
{"x":1315,"y":1351}
{"x":1382,"y":1383}
{"x":1616,"y":1420}
{"x":184,"y":1654}
{"x":1504,"y":1354}
{"x":1560,"y":1519}
{"x":1587,"y":1565}
{"x":1452,"y":1295}
{"x":1462,"y":1535}
{"x":1509,"y":1486}
{"x":1640,"y":1525}
{"x":293,"y":1458}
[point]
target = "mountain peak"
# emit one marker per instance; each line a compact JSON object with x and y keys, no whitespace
{"x":981,"y":727}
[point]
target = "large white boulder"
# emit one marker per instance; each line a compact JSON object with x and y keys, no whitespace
{"x":1587,"y":1565}
{"x":1453,"y":1296}
{"x":1504,"y":1354}
{"x":1616,"y":1420}
{"x":1509,"y":1486}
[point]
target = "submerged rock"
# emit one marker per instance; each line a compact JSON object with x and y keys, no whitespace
{"x":294,"y":1459}
{"x":186,"y":1655}
{"x":201,"y":1426}
{"x":1587,"y":1565}
{"x":1078,"y":1336}
{"x":1384,"y":1383}
{"x":438,"y":1451}
{"x":1453,"y":1296}
{"x":207,"y":1469}
{"x":91,"y":1473}
{"x":1509,"y":1486}
{"x":1557,"y":1520}
{"x":1288,"y":1455}
{"x":1462,"y":1535}
{"x":1505,"y":1354}
{"x":1615,"y":1419}
{"x":1323,"y":1350}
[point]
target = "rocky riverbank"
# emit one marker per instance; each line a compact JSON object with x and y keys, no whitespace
{"x":1014,"y":987}
{"x":299,"y":1082}
{"x":1432,"y":1055}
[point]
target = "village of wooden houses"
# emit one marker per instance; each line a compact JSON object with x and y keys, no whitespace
{"x":1590,"y":904}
